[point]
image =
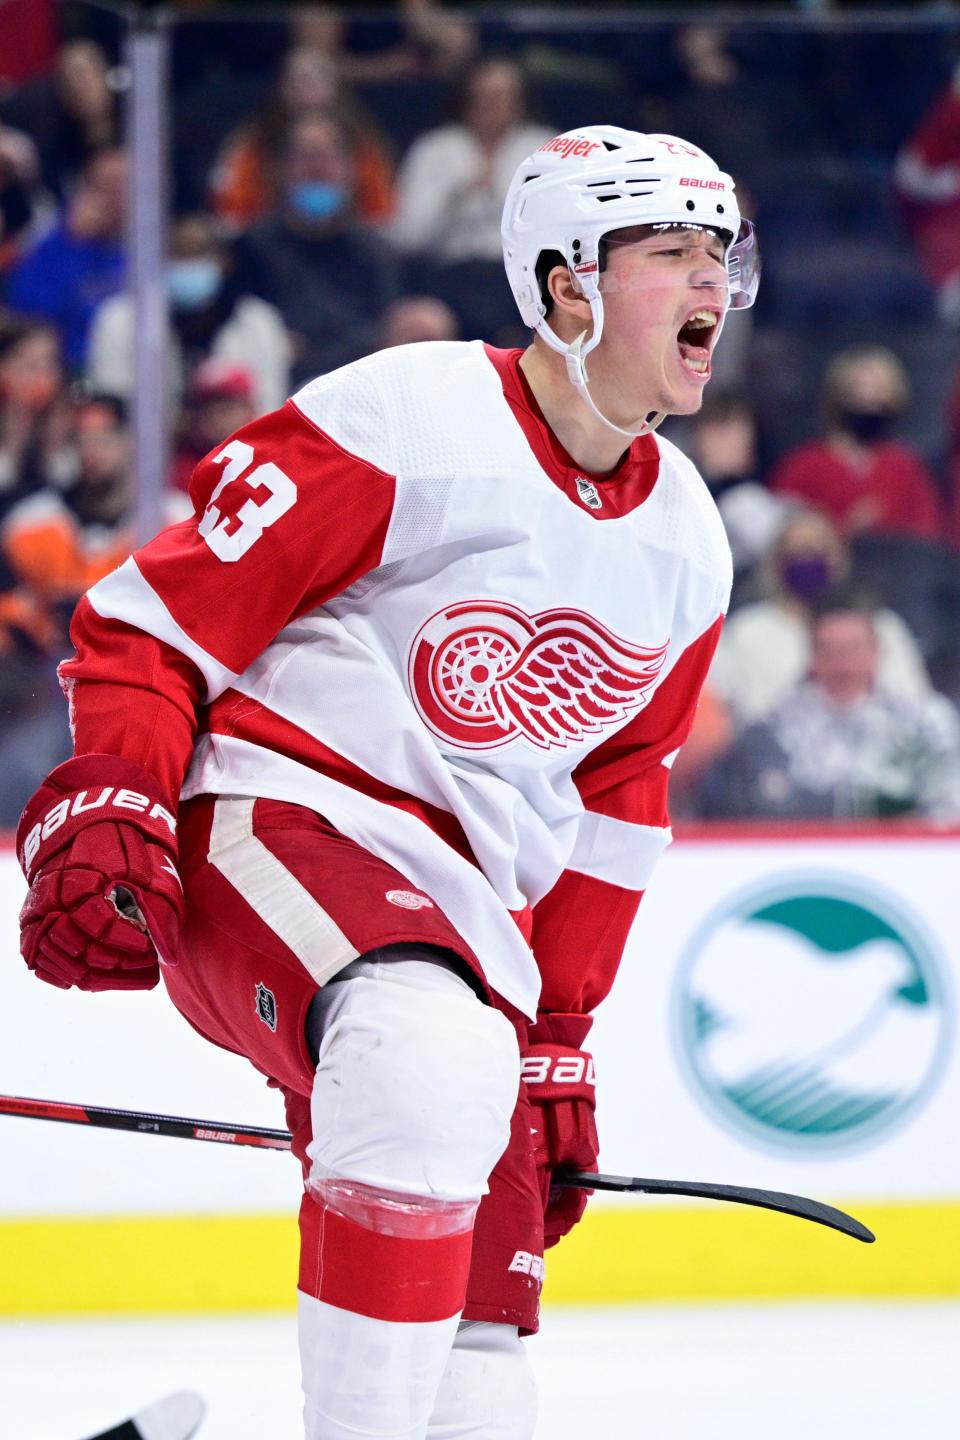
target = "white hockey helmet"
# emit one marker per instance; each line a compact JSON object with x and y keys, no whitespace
{"x":580,"y":186}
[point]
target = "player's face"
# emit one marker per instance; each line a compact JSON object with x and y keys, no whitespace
{"x":664,"y":298}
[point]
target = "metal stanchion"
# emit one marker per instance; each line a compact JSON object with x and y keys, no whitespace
{"x":147,"y":55}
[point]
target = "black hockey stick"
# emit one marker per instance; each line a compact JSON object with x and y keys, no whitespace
{"x":175,"y":1417}
{"x":225,"y":1133}
{"x":142,"y":1121}
{"x":797,"y":1205}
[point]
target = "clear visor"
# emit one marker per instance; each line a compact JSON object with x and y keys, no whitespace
{"x":743,"y":267}
{"x":741,"y":260}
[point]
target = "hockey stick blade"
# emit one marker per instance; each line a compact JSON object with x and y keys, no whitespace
{"x":175,"y":1417}
{"x":797,"y":1205}
{"x":224,"y":1132}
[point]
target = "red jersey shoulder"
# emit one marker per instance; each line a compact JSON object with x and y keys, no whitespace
{"x":261,"y":472}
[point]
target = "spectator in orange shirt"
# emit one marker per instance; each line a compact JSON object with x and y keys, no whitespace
{"x":26,"y":627}
{"x":59,"y":543}
{"x":856,"y":473}
{"x":245,"y":178}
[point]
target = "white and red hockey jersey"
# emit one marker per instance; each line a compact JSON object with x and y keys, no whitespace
{"x":401,"y":604}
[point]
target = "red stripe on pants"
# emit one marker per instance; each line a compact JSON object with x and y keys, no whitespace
{"x":386,"y":1277}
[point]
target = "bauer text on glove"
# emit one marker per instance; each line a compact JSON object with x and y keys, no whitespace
{"x":561,"y":1085}
{"x":98,"y":846}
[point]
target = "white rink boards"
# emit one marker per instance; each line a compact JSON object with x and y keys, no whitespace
{"x":785,"y":1017}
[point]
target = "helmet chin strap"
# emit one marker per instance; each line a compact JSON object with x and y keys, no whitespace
{"x":575,"y":354}
{"x":577,"y":375}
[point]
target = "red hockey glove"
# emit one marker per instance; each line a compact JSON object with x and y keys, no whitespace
{"x":560,"y":1083}
{"x":99,"y":850}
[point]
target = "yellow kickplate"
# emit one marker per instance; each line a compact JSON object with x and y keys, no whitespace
{"x":731,"y":1253}
{"x":147,"y":1264}
{"x":169,"y":1264}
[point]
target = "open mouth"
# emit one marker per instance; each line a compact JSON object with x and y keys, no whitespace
{"x":695,"y":340}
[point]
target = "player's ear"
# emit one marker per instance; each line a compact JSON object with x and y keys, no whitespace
{"x":565,"y":292}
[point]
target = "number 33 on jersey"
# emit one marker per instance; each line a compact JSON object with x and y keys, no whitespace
{"x":231,"y":539}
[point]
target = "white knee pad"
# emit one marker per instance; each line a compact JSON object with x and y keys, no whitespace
{"x":416,"y":1082}
{"x":488,"y":1391}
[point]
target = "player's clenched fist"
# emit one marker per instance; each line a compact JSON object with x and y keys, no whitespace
{"x":99,"y":850}
{"x":561,"y":1087}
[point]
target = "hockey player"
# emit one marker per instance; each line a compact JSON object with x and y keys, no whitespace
{"x":397,"y":708}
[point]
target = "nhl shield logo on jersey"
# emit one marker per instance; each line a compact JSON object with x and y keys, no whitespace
{"x":812,"y":1013}
{"x":589,"y":493}
{"x":483,"y":673}
{"x":266,"y":1006}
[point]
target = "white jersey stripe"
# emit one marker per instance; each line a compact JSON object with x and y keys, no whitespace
{"x":463,"y":893}
{"x":125,"y":595}
{"x":617,"y":851}
{"x":274,"y":893}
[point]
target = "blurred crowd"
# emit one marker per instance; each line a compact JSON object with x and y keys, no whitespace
{"x":337,"y":187}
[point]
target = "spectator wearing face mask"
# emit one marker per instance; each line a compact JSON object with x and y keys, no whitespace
{"x":764,"y":649}
{"x":80,"y":261}
{"x":329,"y":277}
{"x":244,"y":174}
{"x":841,"y":745}
{"x":209,"y":316}
{"x":856,"y":473}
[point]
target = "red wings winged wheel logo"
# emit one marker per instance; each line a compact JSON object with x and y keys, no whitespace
{"x":484,"y":672}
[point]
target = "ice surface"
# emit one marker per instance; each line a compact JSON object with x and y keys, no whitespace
{"x":797,"y":1372}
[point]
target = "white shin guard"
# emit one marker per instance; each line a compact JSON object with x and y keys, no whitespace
{"x":374,"y":1379}
{"x":415,"y":1086}
{"x":488,"y":1390}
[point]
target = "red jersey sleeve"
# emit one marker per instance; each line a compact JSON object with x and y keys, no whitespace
{"x":284,"y":519}
{"x":581,"y":926}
